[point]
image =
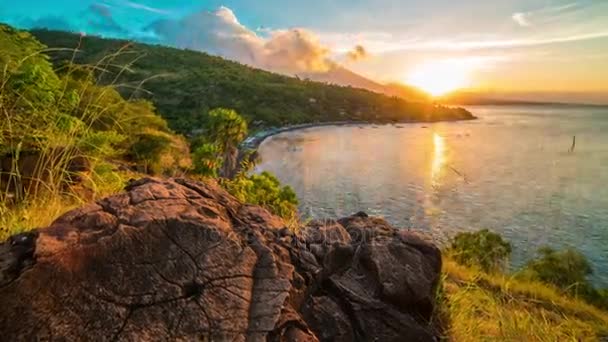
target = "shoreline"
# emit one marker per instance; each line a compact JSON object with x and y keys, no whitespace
{"x":253,"y":142}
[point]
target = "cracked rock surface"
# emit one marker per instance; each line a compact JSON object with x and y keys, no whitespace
{"x":182,"y":260}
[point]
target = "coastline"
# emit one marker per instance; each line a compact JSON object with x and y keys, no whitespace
{"x":254,"y":141}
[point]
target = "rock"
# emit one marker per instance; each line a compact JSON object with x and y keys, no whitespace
{"x":183,"y":260}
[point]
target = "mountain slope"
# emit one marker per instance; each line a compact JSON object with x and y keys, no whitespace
{"x":185,"y":84}
{"x":341,"y":76}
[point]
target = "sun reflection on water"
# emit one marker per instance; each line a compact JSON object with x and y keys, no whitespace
{"x":438,"y":158}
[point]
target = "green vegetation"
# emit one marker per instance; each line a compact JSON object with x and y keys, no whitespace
{"x":64,"y":139}
{"x":67,"y":138}
{"x":477,"y":306}
{"x":226,"y":129}
{"x":567,"y":270}
{"x":191,"y":91}
{"x":551,"y":299}
{"x":217,"y":153}
{"x":185,"y":85}
{"x":265,"y":190}
{"x":484,"y":249}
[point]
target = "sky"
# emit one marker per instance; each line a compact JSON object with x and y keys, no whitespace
{"x":498,"y":45}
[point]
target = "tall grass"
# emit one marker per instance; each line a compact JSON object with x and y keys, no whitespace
{"x":476,"y":306}
{"x":40,"y":141}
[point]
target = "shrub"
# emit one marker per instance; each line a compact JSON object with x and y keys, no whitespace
{"x":484,"y":249}
{"x":264,"y":190}
{"x":206,"y":160}
{"x":160,"y":153}
{"x":566,"y":269}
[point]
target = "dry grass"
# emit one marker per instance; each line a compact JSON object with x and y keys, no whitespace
{"x":41,"y":210}
{"x":479,"y":307}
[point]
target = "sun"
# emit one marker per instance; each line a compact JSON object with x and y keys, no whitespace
{"x":440,"y":77}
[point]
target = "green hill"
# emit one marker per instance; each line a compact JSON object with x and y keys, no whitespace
{"x":184,"y":85}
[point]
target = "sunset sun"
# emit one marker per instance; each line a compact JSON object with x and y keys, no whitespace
{"x":441,"y":77}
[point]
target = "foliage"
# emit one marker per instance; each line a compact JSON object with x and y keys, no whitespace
{"x":226,"y":129}
{"x":477,"y":306}
{"x":101,"y":144}
{"x":215,"y":151}
{"x":265,"y":190}
{"x":184,"y":85}
{"x":160,"y":153}
{"x":148,"y":149}
{"x":61,"y":133}
{"x":567,"y":270}
{"x":206,"y":160}
{"x":27,"y":80}
{"x":483,"y":249}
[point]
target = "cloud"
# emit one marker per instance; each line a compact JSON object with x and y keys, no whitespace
{"x":522,"y":42}
{"x":102,"y":10}
{"x":220,"y":32}
{"x":521,"y":19}
{"x":546,"y":14}
{"x":357,"y":53}
{"x":399,"y":44}
{"x":99,"y":18}
{"x":294,"y":50}
{"x":48,"y":22}
{"x":139,"y":6}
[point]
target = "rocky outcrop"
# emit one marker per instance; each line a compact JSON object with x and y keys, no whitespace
{"x":182,"y":260}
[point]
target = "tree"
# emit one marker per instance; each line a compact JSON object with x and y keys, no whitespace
{"x":566,"y":269}
{"x":484,"y":249}
{"x":226,"y":129}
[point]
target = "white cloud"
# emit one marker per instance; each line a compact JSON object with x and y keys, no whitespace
{"x":220,"y":32}
{"x":521,"y":42}
{"x":390,"y":44}
{"x":145,"y":7}
{"x":521,"y":19}
{"x":546,"y":14}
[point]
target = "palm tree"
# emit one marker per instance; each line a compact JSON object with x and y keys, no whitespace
{"x":227,"y":129}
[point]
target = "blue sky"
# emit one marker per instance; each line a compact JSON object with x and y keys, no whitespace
{"x":500,"y":44}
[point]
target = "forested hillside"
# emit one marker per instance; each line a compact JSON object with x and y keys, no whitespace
{"x":184,"y":85}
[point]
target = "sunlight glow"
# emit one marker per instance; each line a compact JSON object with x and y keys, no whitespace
{"x":438,"y":158}
{"x":441,"y":77}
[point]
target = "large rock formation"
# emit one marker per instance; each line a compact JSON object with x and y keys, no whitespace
{"x":181,"y":260}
